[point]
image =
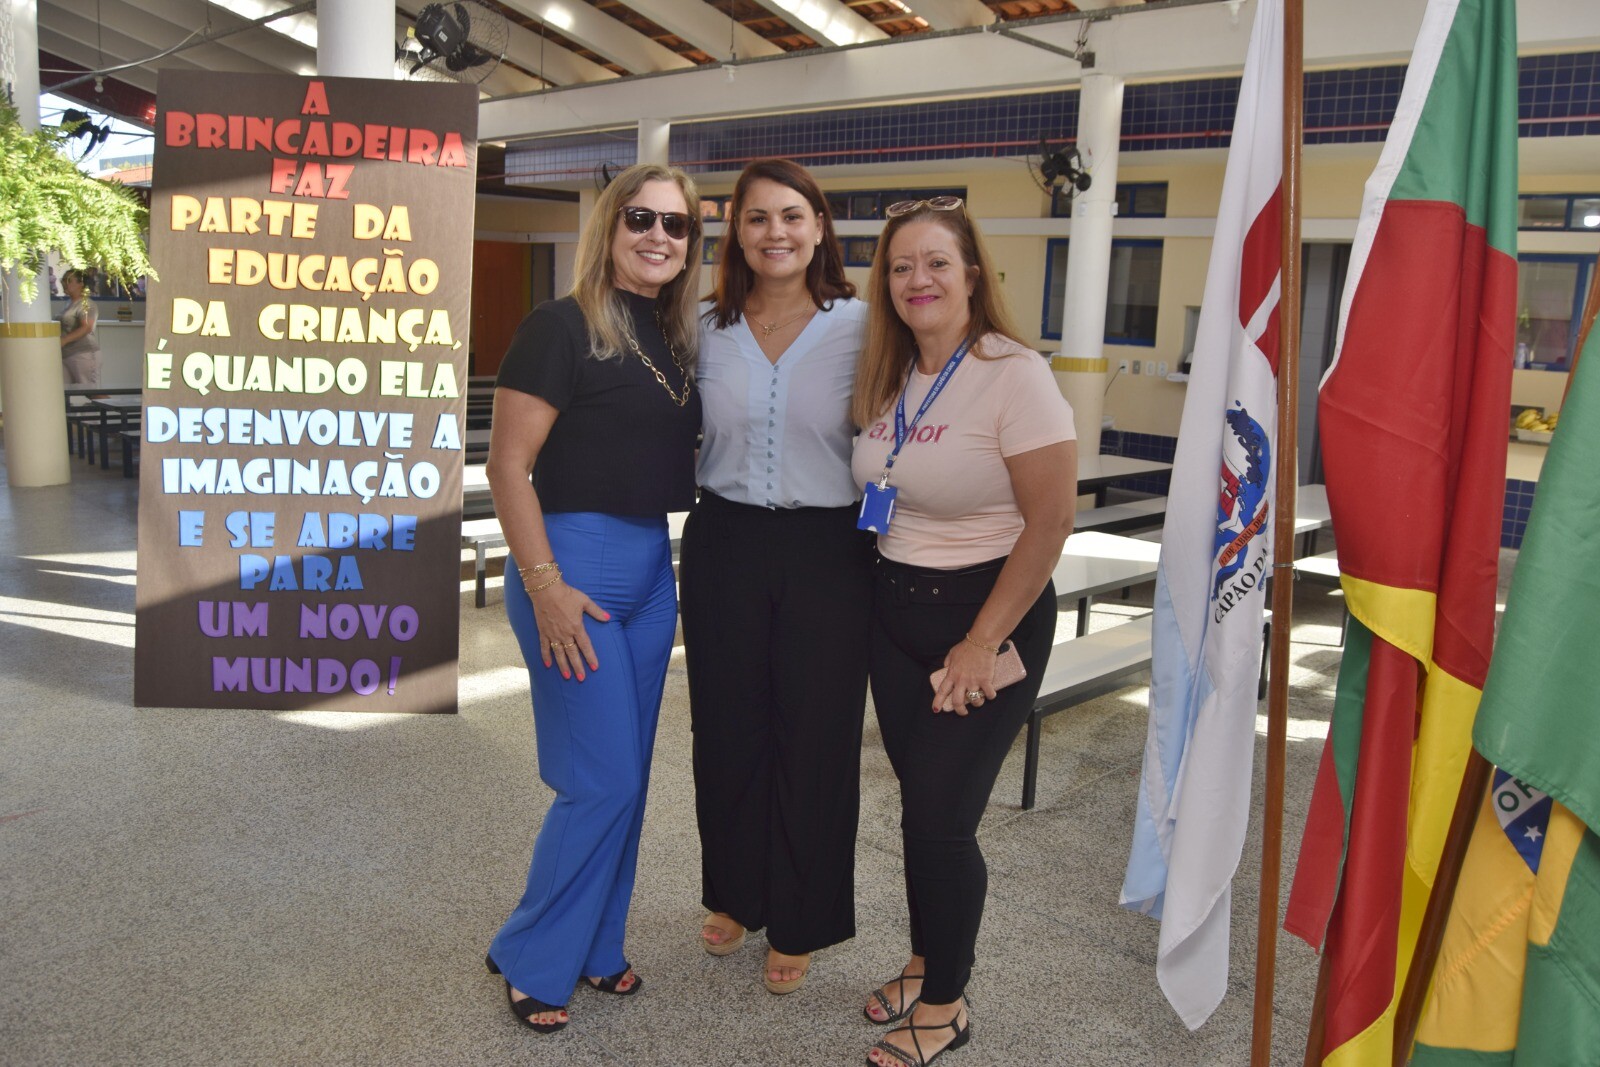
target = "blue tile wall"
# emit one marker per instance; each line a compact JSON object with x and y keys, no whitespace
{"x":1558,"y":96}
{"x":1514,"y":521}
{"x":1141,"y":446}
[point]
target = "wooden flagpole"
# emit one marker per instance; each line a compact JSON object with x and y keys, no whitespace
{"x":1287,"y":470}
{"x":1408,"y":1013}
{"x":1412,"y":996}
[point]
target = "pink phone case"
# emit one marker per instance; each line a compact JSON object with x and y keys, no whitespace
{"x":1008,"y":668}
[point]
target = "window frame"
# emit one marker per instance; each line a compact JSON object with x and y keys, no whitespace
{"x":1581,"y":283}
{"x":1051,"y":244}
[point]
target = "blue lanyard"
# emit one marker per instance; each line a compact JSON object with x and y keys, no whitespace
{"x":902,"y":432}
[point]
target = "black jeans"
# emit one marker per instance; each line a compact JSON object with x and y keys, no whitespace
{"x":776,"y":611}
{"x":946,"y":763}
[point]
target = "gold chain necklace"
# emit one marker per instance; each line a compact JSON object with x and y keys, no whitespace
{"x":688,"y":386}
{"x":768,"y":331}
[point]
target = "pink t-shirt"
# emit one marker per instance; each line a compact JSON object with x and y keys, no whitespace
{"x":955,"y":506}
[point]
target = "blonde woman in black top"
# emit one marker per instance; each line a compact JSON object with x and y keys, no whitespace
{"x":595,"y":419}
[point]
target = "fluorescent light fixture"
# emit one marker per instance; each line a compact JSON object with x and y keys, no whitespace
{"x":558,"y":16}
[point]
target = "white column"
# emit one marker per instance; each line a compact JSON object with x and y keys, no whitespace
{"x":566,"y":264}
{"x":1089,"y":257}
{"x":23,"y":67}
{"x":355,"y":38}
{"x":30,"y":346}
{"x":654,"y":135}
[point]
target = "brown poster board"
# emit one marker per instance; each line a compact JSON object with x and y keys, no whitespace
{"x":304,"y":393}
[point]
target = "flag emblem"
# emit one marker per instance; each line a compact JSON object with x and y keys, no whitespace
{"x":1241,"y":509}
{"x":1524,"y":814}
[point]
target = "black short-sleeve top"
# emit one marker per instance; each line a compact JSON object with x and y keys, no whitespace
{"x":620,"y":446}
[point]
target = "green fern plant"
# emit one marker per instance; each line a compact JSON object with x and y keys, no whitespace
{"x":47,"y":204}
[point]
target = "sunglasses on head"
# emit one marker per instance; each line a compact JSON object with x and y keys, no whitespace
{"x":933,"y":203}
{"x":675,"y":224}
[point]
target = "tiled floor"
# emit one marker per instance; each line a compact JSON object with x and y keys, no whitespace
{"x":202,"y":887}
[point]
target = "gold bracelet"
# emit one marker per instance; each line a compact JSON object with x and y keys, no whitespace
{"x":968,"y":638}
{"x":554,"y":581}
{"x":540,"y":568}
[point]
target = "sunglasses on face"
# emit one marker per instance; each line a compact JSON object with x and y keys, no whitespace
{"x":675,"y":224}
{"x":936,"y":203}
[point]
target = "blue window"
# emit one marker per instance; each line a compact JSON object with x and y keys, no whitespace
{"x":1135,"y":200}
{"x":1133,"y":293}
{"x":1550,"y":294}
{"x":1559,"y":211}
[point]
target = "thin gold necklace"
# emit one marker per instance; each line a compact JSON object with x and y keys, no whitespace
{"x":677,"y":361}
{"x":768,"y":331}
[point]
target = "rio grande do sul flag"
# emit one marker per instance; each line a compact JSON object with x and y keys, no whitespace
{"x":1194,"y":797}
{"x":1518,"y":977}
{"x":1414,"y":414}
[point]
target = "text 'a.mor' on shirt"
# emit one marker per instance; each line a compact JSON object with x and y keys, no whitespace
{"x":955,"y":506}
{"x":777,"y":435}
{"x":620,"y":445}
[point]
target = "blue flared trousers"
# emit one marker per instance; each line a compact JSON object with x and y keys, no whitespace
{"x":594,"y":741}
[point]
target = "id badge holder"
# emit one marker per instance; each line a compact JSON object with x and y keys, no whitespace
{"x":877,"y":507}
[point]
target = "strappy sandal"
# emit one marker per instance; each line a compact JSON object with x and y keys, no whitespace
{"x":963,"y":1035}
{"x":527,"y":1007}
{"x":728,"y":945}
{"x":610,"y":983}
{"x":906,"y":1006}
{"x":785,"y":985}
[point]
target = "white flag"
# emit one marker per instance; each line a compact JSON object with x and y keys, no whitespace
{"x":1194,"y":798}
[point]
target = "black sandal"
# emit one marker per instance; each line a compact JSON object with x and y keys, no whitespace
{"x":528,"y":1007}
{"x":963,"y":1035}
{"x":890,"y":1015}
{"x":610,"y":983}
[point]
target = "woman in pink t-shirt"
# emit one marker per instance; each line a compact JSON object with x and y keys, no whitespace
{"x":984,"y":483}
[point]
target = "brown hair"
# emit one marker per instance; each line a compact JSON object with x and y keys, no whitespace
{"x":594,"y":285}
{"x":890,"y":347}
{"x":824,"y":276}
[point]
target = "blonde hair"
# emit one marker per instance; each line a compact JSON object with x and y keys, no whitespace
{"x":594,"y":286}
{"x":890,"y":347}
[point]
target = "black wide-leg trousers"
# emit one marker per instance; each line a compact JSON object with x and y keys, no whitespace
{"x":776,"y":608}
{"x":946,"y":763}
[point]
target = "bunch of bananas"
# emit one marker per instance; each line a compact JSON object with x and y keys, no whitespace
{"x":1531,"y":419}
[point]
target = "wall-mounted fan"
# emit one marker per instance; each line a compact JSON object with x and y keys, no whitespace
{"x":84,"y":135}
{"x":1060,"y":167}
{"x":461,"y":41}
{"x":605,"y":174}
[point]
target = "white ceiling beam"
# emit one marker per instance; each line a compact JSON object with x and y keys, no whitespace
{"x":707,"y":28}
{"x":117,"y":48}
{"x":158,"y":35}
{"x":1194,"y":41}
{"x":279,"y":52}
{"x":953,"y":14}
{"x":827,"y":21}
{"x":301,"y":28}
{"x":602,"y":34}
{"x":958,"y":65}
{"x":72,"y":49}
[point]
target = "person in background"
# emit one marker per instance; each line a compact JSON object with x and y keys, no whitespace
{"x":777,"y":590}
{"x":596,"y":402}
{"x":963,"y":427}
{"x":80,"y":348}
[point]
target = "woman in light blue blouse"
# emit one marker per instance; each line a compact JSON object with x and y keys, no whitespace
{"x":775,"y":586}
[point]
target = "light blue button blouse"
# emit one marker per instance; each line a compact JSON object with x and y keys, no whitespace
{"x":779,"y":435}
